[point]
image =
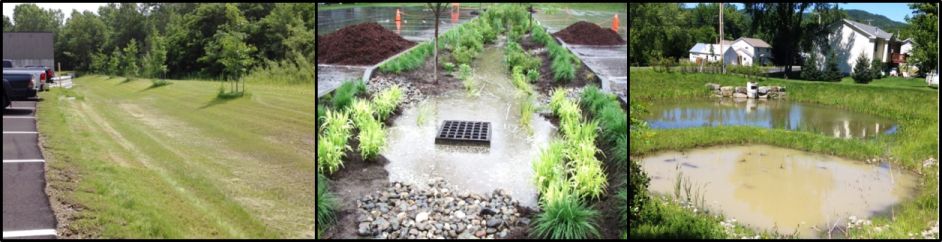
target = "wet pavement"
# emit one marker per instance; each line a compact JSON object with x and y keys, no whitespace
{"x":609,"y":62}
{"x":26,"y":210}
{"x":764,"y":186}
{"x":505,"y":164}
{"x":779,"y":114}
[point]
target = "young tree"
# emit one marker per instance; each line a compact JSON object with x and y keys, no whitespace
{"x":437,"y":9}
{"x":155,"y":61}
{"x":924,"y":26}
{"x":131,"y":69}
{"x":114,"y":63}
{"x":230,"y":50}
{"x":862,"y":73}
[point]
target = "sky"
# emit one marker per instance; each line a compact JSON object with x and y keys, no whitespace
{"x":893,"y":11}
{"x":65,"y":7}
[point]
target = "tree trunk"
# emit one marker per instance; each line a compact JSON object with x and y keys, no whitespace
{"x":437,"y":10}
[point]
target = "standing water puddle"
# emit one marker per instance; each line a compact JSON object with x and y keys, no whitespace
{"x":764,"y":186}
{"x":504,"y":164}
{"x":780,"y":114}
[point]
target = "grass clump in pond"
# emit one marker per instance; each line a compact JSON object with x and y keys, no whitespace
{"x":549,"y":166}
{"x":425,"y":110}
{"x":465,"y":74}
{"x":526,"y":112}
{"x":333,"y":141}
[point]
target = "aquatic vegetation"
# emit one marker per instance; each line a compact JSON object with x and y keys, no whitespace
{"x":549,"y":166}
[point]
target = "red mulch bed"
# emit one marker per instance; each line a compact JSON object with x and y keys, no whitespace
{"x":585,"y":33}
{"x":361,"y":44}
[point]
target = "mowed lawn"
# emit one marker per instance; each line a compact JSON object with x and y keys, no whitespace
{"x":127,"y":160}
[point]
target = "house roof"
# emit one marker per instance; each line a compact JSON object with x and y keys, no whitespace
{"x":869,"y":30}
{"x":909,"y":40}
{"x":758,"y":43}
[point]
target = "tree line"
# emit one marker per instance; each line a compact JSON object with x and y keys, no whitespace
{"x":669,"y":30}
{"x":176,"y":40}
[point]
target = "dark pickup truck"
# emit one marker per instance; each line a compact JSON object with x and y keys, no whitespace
{"x":18,"y":86}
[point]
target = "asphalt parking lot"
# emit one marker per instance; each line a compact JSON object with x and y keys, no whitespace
{"x":26,"y":210}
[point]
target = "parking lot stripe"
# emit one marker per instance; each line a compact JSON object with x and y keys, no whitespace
{"x":19,"y":117}
{"x":23,"y":161}
{"x":20,"y":132}
{"x":28,"y":233}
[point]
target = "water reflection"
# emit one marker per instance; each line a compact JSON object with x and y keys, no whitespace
{"x":781,"y":114}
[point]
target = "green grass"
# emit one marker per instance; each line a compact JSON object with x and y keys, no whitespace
{"x":566,"y":218}
{"x":332,"y":143}
{"x":914,"y":108}
{"x":386,"y":102}
{"x":172,"y":163}
{"x":326,"y":203}
{"x":344,"y":95}
{"x":408,"y":61}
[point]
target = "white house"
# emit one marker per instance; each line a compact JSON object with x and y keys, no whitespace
{"x":742,"y":51}
{"x":850,"y":39}
{"x":906,"y":47}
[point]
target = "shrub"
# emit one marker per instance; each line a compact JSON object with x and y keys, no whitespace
{"x":345,"y":94}
{"x":623,"y":204}
{"x":588,"y":178}
{"x":557,"y":100}
{"x":326,"y":203}
{"x":387,"y":101}
{"x":533,"y":75}
{"x":463,"y":55}
{"x":361,"y":112}
{"x":333,"y":141}
{"x":320,"y":116}
{"x":372,"y":138}
{"x":830,"y":72}
{"x":569,"y":114}
{"x":614,"y":123}
{"x":563,"y":69}
{"x":549,"y":166}
{"x":862,"y":73}
{"x":809,"y":71}
{"x":620,"y":152}
{"x":664,"y":64}
{"x":876,"y":69}
{"x":567,"y":218}
{"x":539,"y":35}
{"x":448,"y":66}
{"x":159,"y":82}
{"x":520,"y":81}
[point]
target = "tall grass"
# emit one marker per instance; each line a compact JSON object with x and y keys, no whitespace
{"x":344,"y":95}
{"x":297,"y":70}
{"x":372,"y":138}
{"x":526,"y":113}
{"x":567,"y":218}
{"x":408,"y":61}
{"x":326,"y":203}
{"x":465,"y":74}
{"x":386,"y":102}
{"x":333,"y":141}
{"x":549,"y":166}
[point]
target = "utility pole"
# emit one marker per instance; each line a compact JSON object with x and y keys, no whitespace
{"x":721,"y":39}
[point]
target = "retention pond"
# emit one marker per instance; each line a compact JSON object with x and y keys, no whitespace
{"x":780,"y":189}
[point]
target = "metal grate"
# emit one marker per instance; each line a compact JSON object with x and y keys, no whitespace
{"x":464,"y":132}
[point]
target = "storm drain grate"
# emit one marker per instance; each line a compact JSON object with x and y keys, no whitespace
{"x":464,"y":132}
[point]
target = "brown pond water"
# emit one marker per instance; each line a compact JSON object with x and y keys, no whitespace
{"x":763,"y":186}
{"x":779,"y":114}
{"x":504,"y":164}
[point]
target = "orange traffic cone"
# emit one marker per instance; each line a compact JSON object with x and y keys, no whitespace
{"x":398,"y":18}
{"x":615,"y":23}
